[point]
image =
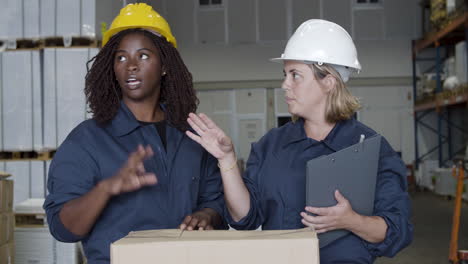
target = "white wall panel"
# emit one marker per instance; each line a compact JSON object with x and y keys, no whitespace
{"x":242,"y":19}
{"x":369,"y":24}
{"x":338,"y":11}
{"x":304,"y":10}
{"x":251,"y":101}
{"x":211,"y":24}
{"x":272,"y":20}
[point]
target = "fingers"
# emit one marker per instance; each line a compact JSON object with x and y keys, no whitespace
{"x":195,"y":222}
{"x":194,"y":137}
{"x":318,"y":210}
{"x":139,"y":156}
{"x":148,"y":179}
{"x":185,"y":222}
{"x":339,"y":197}
{"x":208,"y":122}
{"x":198,"y":122}
{"x":314,"y":219}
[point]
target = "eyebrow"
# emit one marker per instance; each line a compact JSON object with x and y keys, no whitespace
{"x":142,"y":49}
{"x":292,"y":70}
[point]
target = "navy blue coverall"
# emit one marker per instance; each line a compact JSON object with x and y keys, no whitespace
{"x":188,"y":180}
{"x":275,"y":178}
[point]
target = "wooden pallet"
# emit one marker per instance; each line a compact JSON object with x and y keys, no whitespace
{"x":26,"y":155}
{"x":68,"y":42}
{"x":30,"y":220}
{"x":22,"y":44}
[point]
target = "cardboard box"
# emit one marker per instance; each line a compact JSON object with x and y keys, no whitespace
{"x":7,"y":253}
{"x":6,"y":196}
{"x":7,"y":225}
{"x":196,"y":247}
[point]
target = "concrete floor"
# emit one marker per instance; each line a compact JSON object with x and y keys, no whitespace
{"x":432,"y":219}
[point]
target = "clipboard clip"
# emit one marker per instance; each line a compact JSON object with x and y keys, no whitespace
{"x":361,"y":143}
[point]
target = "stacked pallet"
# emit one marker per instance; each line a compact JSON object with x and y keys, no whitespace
{"x":34,"y":243}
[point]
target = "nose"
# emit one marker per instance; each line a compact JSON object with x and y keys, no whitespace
{"x":285,"y":84}
{"x":132,"y":66}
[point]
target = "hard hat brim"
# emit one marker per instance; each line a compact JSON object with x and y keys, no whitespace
{"x":111,"y":32}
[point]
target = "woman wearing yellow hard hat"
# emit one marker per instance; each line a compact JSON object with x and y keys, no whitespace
{"x":131,"y":167}
{"x":317,"y":62}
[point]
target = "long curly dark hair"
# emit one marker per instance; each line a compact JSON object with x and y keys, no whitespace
{"x":103,"y":93}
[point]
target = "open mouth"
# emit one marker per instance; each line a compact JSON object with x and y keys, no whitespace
{"x":133,"y":82}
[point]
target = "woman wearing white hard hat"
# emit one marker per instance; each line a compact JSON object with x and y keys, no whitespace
{"x":318,"y":61}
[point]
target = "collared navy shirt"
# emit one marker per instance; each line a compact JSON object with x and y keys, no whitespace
{"x":275,"y":177}
{"x":188,"y":180}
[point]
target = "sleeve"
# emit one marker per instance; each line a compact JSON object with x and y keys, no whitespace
{"x":71,"y":175}
{"x":254,"y":217}
{"x":392,"y":203}
{"x":210,"y":194}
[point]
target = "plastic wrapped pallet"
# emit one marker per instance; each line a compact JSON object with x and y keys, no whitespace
{"x":77,"y":17}
{"x":64,"y":99}
{"x":31,"y":19}
{"x":445,"y":183}
{"x":11,"y":19}
{"x":38,"y":179}
{"x":427,"y":168}
{"x":21,"y":100}
{"x":20,"y":173}
{"x":36,"y":245}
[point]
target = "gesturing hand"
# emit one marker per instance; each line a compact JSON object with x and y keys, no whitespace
{"x":210,"y":136}
{"x":340,"y":216}
{"x":132,"y":176}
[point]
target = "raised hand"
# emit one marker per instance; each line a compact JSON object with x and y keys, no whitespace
{"x":132,"y":176}
{"x":210,"y":136}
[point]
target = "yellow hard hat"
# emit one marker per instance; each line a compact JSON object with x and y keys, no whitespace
{"x":139,"y":16}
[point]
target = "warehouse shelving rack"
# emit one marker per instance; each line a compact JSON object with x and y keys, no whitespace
{"x":454,"y":31}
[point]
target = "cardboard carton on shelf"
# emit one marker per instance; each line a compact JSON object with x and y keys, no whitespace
{"x":196,"y":247}
{"x":6,"y":196}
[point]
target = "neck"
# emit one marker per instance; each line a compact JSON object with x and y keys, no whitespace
{"x":146,"y":110}
{"x":317,"y":128}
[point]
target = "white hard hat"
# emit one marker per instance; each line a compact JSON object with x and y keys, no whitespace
{"x":320,"y":41}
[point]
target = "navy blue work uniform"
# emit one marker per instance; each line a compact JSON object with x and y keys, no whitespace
{"x":275,"y":177}
{"x":188,"y":180}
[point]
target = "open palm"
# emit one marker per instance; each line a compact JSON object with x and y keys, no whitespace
{"x":210,"y":136}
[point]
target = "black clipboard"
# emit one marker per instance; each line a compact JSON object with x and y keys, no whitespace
{"x":352,"y":171}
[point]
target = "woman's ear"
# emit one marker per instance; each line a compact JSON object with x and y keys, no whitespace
{"x":329,"y":83}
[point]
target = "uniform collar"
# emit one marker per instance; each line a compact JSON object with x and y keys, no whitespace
{"x":342,"y":135}
{"x":124,"y":121}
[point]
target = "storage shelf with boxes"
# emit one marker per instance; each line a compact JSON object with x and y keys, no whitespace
{"x":441,"y":91}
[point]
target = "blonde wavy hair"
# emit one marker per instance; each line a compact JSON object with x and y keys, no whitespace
{"x":341,"y":104}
